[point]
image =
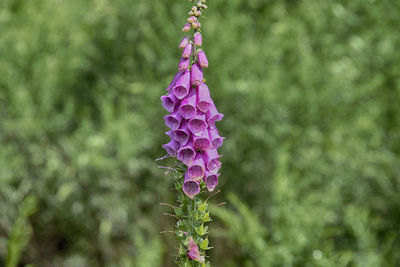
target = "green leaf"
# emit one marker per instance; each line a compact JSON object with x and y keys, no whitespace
{"x":204,"y":244}
{"x":201,"y":230}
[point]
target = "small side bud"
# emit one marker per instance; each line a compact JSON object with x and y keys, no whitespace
{"x":184,"y":42}
{"x":186,"y":28}
{"x":205,"y":6}
{"x":190,"y":13}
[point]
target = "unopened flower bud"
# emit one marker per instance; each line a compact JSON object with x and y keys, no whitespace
{"x":184,"y":64}
{"x":204,"y":6}
{"x":196,"y":75}
{"x":198,"y":39}
{"x":186,"y":28}
{"x":194,"y":8}
{"x":190,"y":13}
{"x":196,"y":25}
{"x":184,"y":42}
{"x":203,"y":1}
{"x":192,"y":19}
{"x":202,"y":58}
{"x":199,"y":4}
{"x":197,"y":13}
{"x":187,"y":52}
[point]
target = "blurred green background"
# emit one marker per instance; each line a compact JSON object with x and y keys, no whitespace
{"x":311,"y":96}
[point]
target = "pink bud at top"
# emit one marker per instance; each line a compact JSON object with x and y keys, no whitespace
{"x":184,"y":64}
{"x":198,"y":39}
{"x":197,"y":169}
{"x":216,"y":140}
{"x":192,"y":19}
{"x":196,"y":74}
{"x":187,"y":108}
{"x":204,"y":100}
{"x":173,"y":121}
{"x":191,"y":188}
{"x":211,"y":180}
{"x":186,"y":153}
{"x":211,"y":159}
{"x":197,"y":125}
{"x":187,"y":52}
{"x":184,"y":42}
{"x":181,"y":135}
{"x":193,"y":251}
{"x":213,"y":115}
{"x":182,"y":86}
{"x":187,"y":27}
{"x":171,"y":148}
{"x":202,"y":58}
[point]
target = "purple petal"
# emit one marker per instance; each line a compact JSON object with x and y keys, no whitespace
{"x":213,"y":115}
{"x":168,"y":102}
{"x":187,"y":27}
{"x":173,"y":82}
{"x":191,"y":188}
{"x":196,"y":170}
{"x":186,"y":154}
{"x":211,"y":159}
{"x":184,"y":64}
{"x":196,"y":74}
{"x":204,"y":101}
{"x":181,"y":89}
{"x":187,"y":52}
{"x":211,"y":180}
{"x":193,"y":251}
{"x":202,"y":142}
{"x":216,"y":139}
{"x":188,"y":105}
{"x":173,"y":121}
{"x":202,"y":58}
{"x":197,"y":125}
{"x":198,"y":39}
{"x":172,"y":147}
{"x":181,"y":135}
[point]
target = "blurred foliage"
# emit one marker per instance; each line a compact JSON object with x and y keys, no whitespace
{"x":311,"y":96}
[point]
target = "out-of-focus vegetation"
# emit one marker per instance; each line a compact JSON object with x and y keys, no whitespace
{"x":311,"y":96}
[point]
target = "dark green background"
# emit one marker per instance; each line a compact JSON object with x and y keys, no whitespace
{"x":310,"y":90}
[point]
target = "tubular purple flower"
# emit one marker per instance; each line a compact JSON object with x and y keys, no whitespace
{"x":191,"y":188}
{"x":187,"y":27}
{"x":186,"y":153}
{"x":211,"y":180}
{"x":193,"y":251}
{"x":198,"y":39}
{"x":216,"y":139}
{"x":202,"y":58}
{"x":173,"y":82}
{"x":181,"y":135}
{"x":196,"y":74}
{"x":172,"y":147}
{"x":184,"y":42}
{"x":187,"y":52}
{"x":211,"y":159}
{"x":184,"y":64}
{"x":213,"y":115}
{"x":168,"y":102}
{"x":197,"y":125}
{"x":197,"y":169}
{"x":202,"y":142}
{"x":173,"y":121}
{"x":182,"y":86}
{"x":187,"y":108}
{"x":204,"y":100}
